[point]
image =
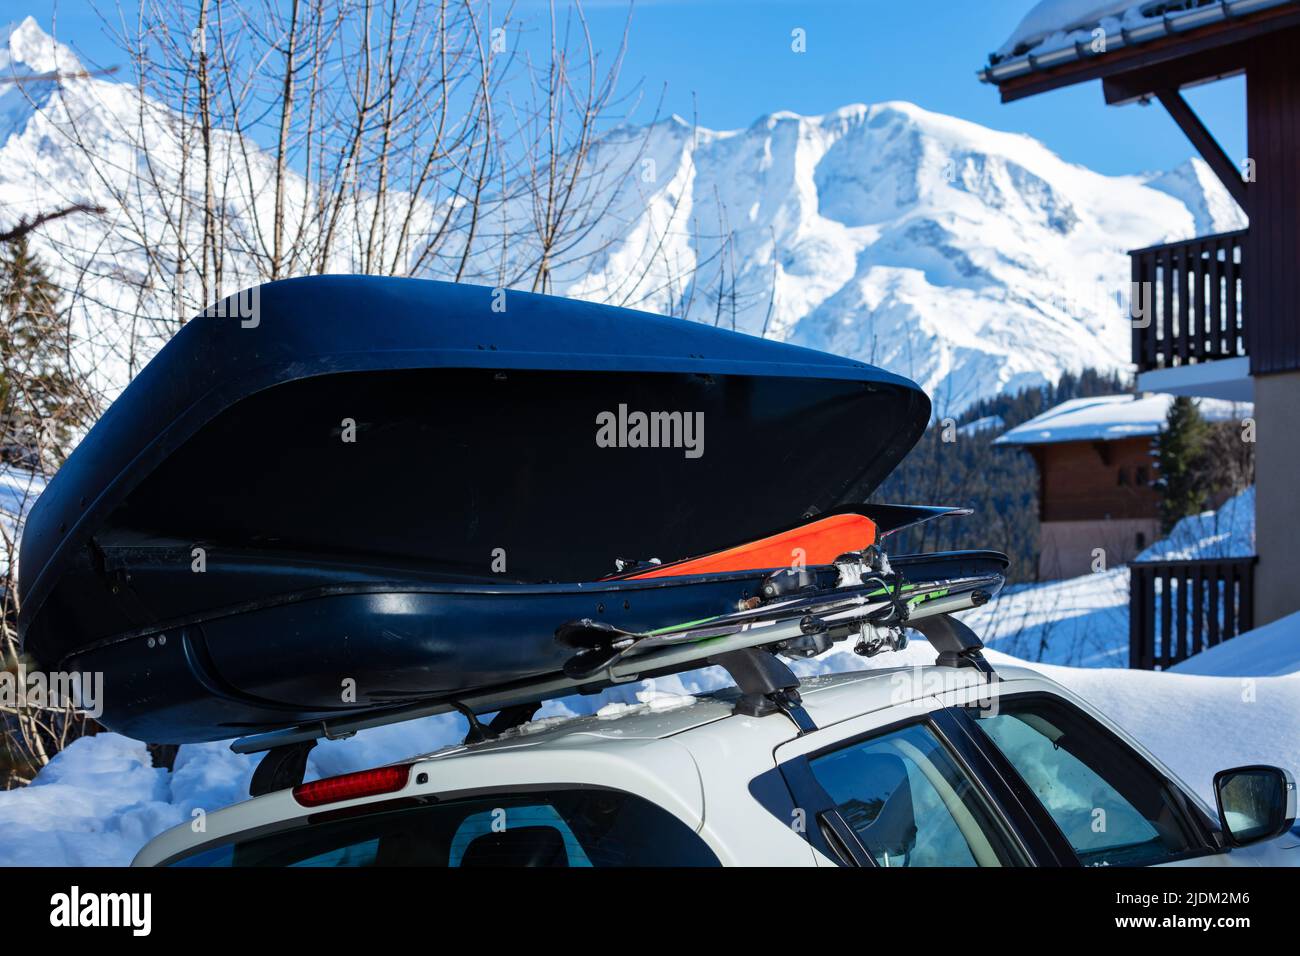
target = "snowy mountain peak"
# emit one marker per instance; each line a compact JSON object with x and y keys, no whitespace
{"x":28,"y":50}
{"x":1195,"y":185}
{"x":969,"y":259}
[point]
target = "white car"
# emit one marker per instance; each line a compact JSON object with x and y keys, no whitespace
{"x":905,"y":767}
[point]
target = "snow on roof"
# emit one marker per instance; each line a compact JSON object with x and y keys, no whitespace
{"x":1051,"y":18}
{"x":987,"y":423}
{"x":1110,"y":417}
{"x":1056,"y":26}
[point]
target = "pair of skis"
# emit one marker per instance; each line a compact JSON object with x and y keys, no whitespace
{"x":817,"y":542}
{"x":806,"y":623}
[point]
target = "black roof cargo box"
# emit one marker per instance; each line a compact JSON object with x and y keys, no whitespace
{"x":376,"y":438}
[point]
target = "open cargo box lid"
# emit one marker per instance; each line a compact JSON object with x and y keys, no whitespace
{"x":452,"y":429}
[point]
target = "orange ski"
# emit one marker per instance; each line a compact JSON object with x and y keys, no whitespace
{"x":819,"y":542}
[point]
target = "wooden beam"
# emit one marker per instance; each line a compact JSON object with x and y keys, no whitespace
{"x":1206,"y":145}
{"x":1194,"y":69}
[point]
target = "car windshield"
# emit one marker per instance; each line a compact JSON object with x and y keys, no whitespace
{"x":562,"y":828}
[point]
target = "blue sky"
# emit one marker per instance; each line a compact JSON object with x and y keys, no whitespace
{"x":728,"y":62}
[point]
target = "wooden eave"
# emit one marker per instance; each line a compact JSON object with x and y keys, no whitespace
{"x":1183,"y":59}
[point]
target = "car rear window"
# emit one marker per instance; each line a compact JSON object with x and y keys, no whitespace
{"x":561,"y":828}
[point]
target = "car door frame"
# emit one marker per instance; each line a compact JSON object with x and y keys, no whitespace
{"x":1204,"y":836}
{"x":826,"y":826}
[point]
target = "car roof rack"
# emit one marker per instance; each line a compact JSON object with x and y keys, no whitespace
{"x":767,"y":685}
{"x":801,"y":613}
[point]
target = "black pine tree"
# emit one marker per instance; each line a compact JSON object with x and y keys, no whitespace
{"x":1180,"y":452}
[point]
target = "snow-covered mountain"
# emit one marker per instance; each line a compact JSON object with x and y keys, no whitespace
{"x":968,"y":259}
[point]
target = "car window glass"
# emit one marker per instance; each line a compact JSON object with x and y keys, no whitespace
{"x":358,"y":854}
{"x":911,"y":804}
{"x":562,"y":828}
{"x":1110,"y":805}
{"x":475,"y":831}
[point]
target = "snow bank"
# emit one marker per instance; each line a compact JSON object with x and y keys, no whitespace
{"x":1228,"y":532}
{"x":1264,"y":652}
{"x":19,"y":490}
{"x":1082,"y":622}
{"x":100,"y":800}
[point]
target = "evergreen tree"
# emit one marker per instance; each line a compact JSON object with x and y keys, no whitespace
{"x":1180,"y":455}
{"x":42,"y":404}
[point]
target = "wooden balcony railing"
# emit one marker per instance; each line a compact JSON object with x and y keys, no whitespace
{"x":1187,"y":301}
{"x":1180,"y":608}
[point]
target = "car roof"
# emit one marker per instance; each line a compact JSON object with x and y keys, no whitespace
{"x":663,"y":748}
{"x":828,"y":698}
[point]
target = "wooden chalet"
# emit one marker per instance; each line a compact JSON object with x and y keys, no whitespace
{"x":1095,"y":495}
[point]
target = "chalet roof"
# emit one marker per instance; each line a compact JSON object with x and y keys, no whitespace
{"x":1055,"y":33}
{"x":1110,"y":418}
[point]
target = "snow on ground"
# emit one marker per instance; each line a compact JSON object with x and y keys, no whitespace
{"x":19,"y":490}
{"x":1264,"y":652}
{"x":1082,"y":622}
{"x":1228,"y":532}
{"x":100,"y":800}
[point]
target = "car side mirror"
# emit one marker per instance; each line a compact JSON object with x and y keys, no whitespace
{"x":1255,"y":803}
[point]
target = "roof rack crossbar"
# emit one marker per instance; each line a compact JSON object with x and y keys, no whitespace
{"x":669,"y":660}
{"x":766,"y":685}
{"x":957,"y":644}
